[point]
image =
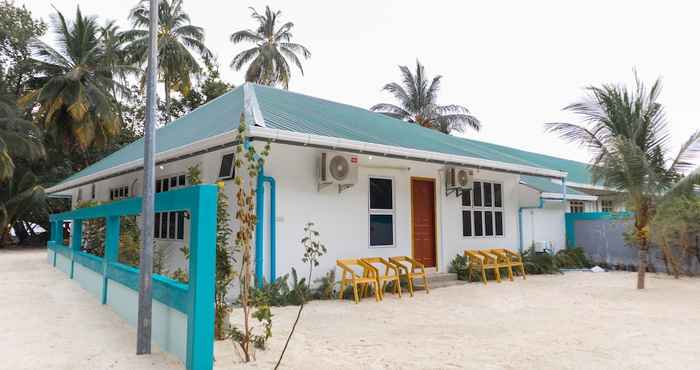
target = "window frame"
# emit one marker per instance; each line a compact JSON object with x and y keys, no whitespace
{"x":233,"y":165}
{"x":471,"y":208}
{"x":579,"y":204}
{"x":607,"y":203}
{"x":174,"y":214}
{"x":114,"y":191}
{"x":371,"y":211}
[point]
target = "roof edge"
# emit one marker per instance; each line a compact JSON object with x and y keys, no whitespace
{"x":398,"y":152}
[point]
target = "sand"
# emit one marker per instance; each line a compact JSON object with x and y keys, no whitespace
{"x":579,"y":320}
{"x":48,"y":321}
{"x":574,"y":321}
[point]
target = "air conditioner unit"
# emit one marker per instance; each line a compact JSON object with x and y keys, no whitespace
{"x":337,"y":169}
{"x":458,"y":179}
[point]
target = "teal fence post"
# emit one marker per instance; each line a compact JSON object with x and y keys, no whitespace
{"x":111,"y":251}
{"x":76,"y":237}
{"x":202,"y":271}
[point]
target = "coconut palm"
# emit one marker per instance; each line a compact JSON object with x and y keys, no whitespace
{"x":19,"y":138}
{"x":75,"y":106}
{"x":268,"y":61}
{"x":627,"y":133}
{"x":417,"y":98}
{"x":21,"y":194}
{"x":179,"y":45}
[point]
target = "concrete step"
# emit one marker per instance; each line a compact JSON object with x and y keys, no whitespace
{"x":439,"y":280}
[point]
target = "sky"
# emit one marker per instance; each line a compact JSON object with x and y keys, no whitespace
{"x":513,"y":64}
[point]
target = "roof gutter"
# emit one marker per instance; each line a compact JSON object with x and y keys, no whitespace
{"x":226,"y":139}
{"x":217,"y":142}
{"x":311,"y":140}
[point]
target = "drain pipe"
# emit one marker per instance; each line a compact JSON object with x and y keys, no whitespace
{"x":539,"y":206}
{"x":273,"y":226}
{"x":520,"y":221}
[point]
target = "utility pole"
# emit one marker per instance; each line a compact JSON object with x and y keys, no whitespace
{"x":143,"y":325}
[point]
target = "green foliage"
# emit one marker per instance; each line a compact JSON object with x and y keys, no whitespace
{"x":572,"y":258}
{"x":674,"y":228}
{"x":21,"y":194}
{"x":249,"y":162}
{"x":418,"y":104}
{"x":628,"y":134}
{"x":545,"y":263}
{"x":539,"y":263}
{"x":17,"y":29}
{"x":459,"y":265}
{"x":179,"y":45}
{"x":326,"y":286}
{"x":268,"y":60}
{"x":73,"y":100}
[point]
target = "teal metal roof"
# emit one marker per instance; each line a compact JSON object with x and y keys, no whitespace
{"x":285,"y":110}
{"x":216,"y":117}
{"x":546,"y":185}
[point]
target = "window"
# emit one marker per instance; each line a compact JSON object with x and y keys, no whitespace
{"x":381,"y":212}
{"x":120,"y":192}
{"x":482,"y":210}
{"x":227,"y":170}
{"x":606,"y":205}
{"x":170,"y":225}
{"x":576,"y":206}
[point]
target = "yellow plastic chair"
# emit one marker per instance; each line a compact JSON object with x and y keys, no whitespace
{"x":411,"y":269}
{"x":350,"y":277}
{"x":482,"y":261}
{"x":510,"y":259}
{"x":391,"y":273}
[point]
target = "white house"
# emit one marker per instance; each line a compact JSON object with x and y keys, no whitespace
{"x":395,"y":199}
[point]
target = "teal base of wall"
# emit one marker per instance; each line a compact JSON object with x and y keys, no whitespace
{"x":169,"y":327}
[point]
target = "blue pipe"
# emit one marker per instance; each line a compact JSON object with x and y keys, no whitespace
{"x":539,"y":206}
{"x":259,"y":224}
{"x":520,"y":221}
{"x":260,"y":214}
{"x":273,"y":226}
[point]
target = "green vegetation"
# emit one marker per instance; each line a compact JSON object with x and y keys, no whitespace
{"x":674,"y":228}
{"x":69,"y":100}
{"x":268,"y":61}
{"x":417,"y":98}
{"x":177,"y":40}
{"x":628,"y":134}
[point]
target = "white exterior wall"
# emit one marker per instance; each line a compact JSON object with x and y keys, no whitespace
{"x":209,"y":165}
{"x":542,"y":224}
{"x":343,"y":219}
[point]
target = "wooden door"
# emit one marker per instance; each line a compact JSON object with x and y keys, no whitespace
{"x":423,"y":216}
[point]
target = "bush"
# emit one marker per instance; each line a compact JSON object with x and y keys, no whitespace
{"x":459,"y":266}
{"x":539,"y":263}
{"x":326,"y":286}
{"x":574,"y":258}
{"x":280,"y":293}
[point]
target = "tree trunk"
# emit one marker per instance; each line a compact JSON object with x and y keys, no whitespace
{"x":643,"y":258}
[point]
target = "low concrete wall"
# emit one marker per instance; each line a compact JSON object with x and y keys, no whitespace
{"x":169,"y":326}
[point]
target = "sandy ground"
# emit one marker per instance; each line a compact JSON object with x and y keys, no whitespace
{"x":48,"y":321}
{"x":579,"y":320}
{"x":572,"y":321}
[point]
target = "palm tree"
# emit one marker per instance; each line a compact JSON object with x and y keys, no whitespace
{"x":628,"y":135}
{"x":178,"y":39}
{"x":75,"y":106}
{"x":269,"y":58}
{"x":20,"y":195}
{"x":418,"y":103}
{"x":19,"y":138}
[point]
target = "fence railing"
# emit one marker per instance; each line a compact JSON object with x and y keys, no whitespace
{"x":183,"y":314}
